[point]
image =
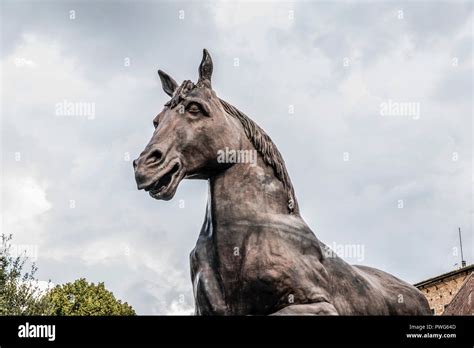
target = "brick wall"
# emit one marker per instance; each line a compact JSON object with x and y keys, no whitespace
{"x":441,"y":292}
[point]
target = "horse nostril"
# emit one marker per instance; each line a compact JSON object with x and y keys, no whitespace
{"x":134,"y":164}
{"x":154,"y":157}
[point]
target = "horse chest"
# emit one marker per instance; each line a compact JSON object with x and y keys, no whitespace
{"x":247,"y":275}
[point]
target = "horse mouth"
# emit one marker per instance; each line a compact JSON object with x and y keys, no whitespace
{"x":165,"y":187}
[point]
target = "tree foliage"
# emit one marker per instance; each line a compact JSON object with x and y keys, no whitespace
{"x":19,"y":290}
{"x":20,"y":293}
{"x":83,"y":298}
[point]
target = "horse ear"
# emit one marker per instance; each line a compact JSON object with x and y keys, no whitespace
{"x":169,"y":85}
{"x":205,"y":68}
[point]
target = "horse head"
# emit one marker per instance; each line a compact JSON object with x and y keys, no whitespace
{"x":190,"y":130}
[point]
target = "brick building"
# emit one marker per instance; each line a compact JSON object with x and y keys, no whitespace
{"x":441,"y":290}
{"x":463,"y":302}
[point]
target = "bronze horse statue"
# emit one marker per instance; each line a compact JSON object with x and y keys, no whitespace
{"x":255,"y":254}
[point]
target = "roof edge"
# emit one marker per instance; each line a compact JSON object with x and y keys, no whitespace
{"x":445,"y":275}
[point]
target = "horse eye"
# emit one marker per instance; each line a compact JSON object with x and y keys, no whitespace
{"x":194,"y":108}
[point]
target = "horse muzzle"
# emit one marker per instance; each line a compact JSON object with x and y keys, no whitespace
{"x":162,"y":181}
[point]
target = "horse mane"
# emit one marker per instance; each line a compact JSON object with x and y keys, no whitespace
{"x":267,"y":149}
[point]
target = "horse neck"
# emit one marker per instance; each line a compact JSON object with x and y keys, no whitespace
{"x":247,"y":192}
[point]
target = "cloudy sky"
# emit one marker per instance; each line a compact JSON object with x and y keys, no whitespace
{"x":323,"y":79}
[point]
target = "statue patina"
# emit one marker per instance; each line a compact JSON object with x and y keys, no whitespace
{"x":255,"y":255}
